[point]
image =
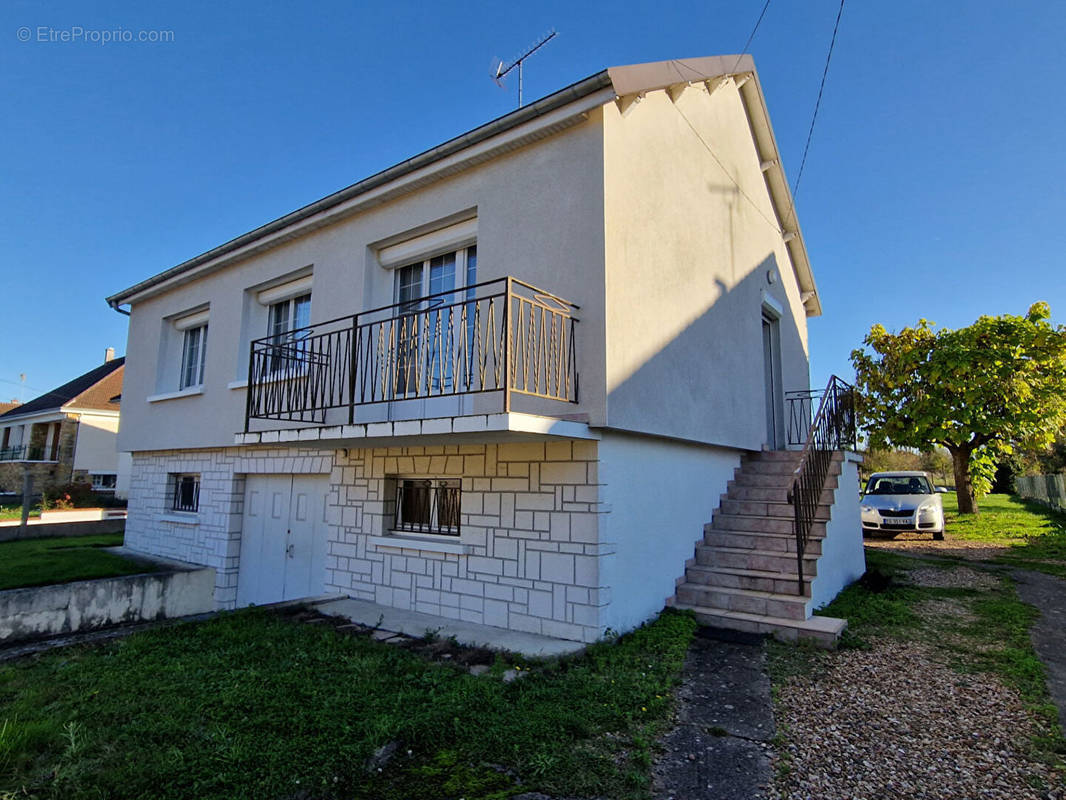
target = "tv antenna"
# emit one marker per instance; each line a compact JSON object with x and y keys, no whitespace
{"x":502,"y":69}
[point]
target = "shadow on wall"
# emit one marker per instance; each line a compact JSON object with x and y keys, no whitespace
{"x":726,"y":403}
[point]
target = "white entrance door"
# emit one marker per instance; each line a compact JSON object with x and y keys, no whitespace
{"x":283,"y":541}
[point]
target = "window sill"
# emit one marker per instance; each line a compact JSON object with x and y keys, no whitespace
{"x":243,"y":382}
{"x":190,"y":392}
{"x":182,"y":518}
{"x":437,"y":544}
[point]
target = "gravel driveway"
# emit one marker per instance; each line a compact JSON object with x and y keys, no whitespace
{"x":898,"y":721}
{"x":895,"y":722}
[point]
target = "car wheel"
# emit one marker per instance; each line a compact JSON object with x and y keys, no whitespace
{"x":938,"y":536}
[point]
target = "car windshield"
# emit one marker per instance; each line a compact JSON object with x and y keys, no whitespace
{"x":899,"y":484}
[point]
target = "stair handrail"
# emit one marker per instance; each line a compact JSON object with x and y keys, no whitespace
{"x":832,"y":429}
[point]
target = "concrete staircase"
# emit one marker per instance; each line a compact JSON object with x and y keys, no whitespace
{"x":743,"y":576}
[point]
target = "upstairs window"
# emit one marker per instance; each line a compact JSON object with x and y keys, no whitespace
{"x":440,"y":275}
{"x":287,"y":318}
{"x":194,"y":348}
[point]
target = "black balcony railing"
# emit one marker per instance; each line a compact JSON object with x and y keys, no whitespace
{"x":832,"y":429}
{"x":500,"y":336}
{"x":25,"y":452}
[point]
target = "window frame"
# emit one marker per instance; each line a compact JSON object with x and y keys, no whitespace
{"x":289,"y":348}
{"x":95,"y":480}
{"x":463,"y":264}
{"x":177,"y":481}
{"x":431,"y":524}
{"x":193,"y":357}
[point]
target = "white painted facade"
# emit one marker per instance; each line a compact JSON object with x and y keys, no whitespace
{"x":843,"y":560}
{"x":578,"y":517}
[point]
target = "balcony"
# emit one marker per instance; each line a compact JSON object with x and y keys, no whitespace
{"x":25,"y":452}
{"x":497,"y":347}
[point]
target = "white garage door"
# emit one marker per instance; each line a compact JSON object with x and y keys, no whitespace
{"x":283,"y":541}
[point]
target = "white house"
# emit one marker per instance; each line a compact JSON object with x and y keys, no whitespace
{"x":505,"y":381}
{"x":68,"y":435}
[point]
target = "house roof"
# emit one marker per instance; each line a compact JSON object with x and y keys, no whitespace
{"x":99,"y":388}
{"x":612,"y":83}
{"x":5,"y":407}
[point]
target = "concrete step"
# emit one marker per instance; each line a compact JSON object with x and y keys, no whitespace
{"x":773,"y":455}
{"x":754,"y":540}
{"x":820,"y":631}
{"x":768,"y":604}
{"x":775,"y":494}
{"x":741,"y":522}
{"x":763,"y":508}
{"x":754,"y":579}
{"x":770,"y":466}
{"x":745,"y":478}
{"x":751,"y":559}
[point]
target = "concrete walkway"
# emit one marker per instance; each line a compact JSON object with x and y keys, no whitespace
{"x":1048,"y":594}
{"x":415,"y":623}
{"x":720,"y":745}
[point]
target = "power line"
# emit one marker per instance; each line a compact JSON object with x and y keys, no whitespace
{"x":725,"y":171}
{"x":817,"y":103}
{"x":751,"y":36}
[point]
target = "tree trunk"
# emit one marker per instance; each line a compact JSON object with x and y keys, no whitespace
{"x":960,"y":460}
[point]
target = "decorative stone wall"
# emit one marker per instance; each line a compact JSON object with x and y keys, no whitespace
{"x":530,"y":521}
{"x":212,"y":535}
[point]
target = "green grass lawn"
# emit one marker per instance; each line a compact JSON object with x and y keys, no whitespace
{"x":254,"y":705}
{"x":14,"y":511}
{"x":36,"y":562}
{"x":1034,"y":534}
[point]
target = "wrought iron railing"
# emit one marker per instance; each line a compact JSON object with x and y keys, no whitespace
{"x":501,"y":336}
{"x":802,"y":406}
{"x":832,"y":429}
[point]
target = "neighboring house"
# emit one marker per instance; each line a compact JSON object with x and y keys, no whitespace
{"x":68,"y":435}
{"x":504,"y":381}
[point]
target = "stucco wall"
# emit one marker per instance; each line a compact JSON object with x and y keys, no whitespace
{"x":96,"y":449}
{"x":690,"y":235}
{"x":658,"y":496}
{"x":843,"y":558}
{"x":539,"y":211}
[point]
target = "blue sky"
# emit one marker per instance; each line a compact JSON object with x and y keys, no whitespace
{"x":933,"y":188}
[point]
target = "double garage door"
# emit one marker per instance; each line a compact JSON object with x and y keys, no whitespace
{"x":283,"y":541}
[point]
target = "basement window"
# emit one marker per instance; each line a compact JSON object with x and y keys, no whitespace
{"x":427,"y":505}
{"x":185,"y":493}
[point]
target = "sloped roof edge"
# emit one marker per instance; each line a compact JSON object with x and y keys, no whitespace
{"x":623,"y":80}
{"x":81,"y":388}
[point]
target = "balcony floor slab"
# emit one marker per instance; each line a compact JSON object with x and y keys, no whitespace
{"x":442,"y":430}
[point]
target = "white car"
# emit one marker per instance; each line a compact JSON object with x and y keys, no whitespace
{"x":902,"y":501}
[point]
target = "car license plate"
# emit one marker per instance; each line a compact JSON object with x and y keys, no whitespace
{"x":901,"y":521}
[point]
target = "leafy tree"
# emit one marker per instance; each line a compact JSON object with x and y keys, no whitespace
{"x":977,"y":391}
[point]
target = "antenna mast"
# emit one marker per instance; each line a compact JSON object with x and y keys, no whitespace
{"x":503,"y":69}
